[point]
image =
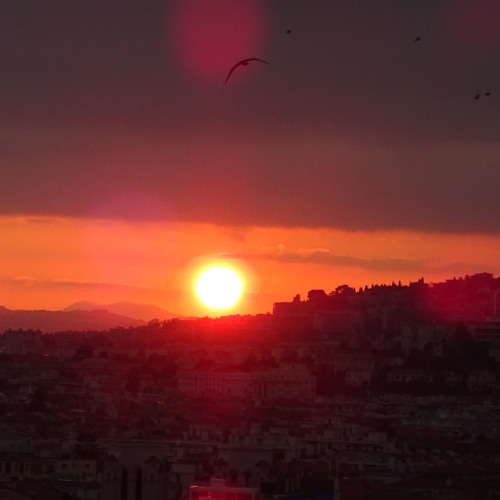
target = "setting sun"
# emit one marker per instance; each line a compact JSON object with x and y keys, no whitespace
{"x":219,"y":287}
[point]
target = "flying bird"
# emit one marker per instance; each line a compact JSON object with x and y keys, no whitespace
{"x":417,"y":39}
{"x":244,"y":62}
{"x":487,"y":94}
{"x":477,"y":96}
{"x":288,"y":31}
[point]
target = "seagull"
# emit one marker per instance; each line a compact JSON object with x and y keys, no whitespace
{"x":244,"y":62}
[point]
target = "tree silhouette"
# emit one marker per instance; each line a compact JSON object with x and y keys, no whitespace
{"x":316,"y":295}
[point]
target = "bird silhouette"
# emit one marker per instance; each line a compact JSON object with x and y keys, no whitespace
{"x":477,"y":96}
{"x":487,"y":94}
{"x":417,"y":39}
{"x":244,"y":62}
{"x":288,"y":31}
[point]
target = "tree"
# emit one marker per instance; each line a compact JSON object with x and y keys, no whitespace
{"x":83,"y":351}
{"x":316,"y":295}
{"x":344,"y":290}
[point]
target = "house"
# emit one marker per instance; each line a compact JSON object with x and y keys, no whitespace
{"x":357,"y":378}
{"x":481,"y":379}
{"x":406,"y":375}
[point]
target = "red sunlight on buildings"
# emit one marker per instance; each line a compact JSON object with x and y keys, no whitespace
{"x":218,"y":490}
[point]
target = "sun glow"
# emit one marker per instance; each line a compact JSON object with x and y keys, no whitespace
{"x":219,"y":287}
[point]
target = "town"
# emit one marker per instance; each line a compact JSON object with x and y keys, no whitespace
{"x":389,"y":391}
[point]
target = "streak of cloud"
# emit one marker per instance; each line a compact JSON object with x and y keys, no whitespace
{"x":324,"y":256}
{"x":29,"y":281}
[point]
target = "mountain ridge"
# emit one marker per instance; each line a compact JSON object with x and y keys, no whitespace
{"x":59,"y":321}
{"x":144,"y":312}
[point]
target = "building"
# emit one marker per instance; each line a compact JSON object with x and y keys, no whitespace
{"x":231,"y":383}
{"x":23,"y":342}
{"x":291,"y":380}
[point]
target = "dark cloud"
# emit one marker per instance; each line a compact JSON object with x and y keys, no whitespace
{"x":353,"y":125}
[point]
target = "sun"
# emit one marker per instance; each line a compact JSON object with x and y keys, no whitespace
{"x":219,"y":287}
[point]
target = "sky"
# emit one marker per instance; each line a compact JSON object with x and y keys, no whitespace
{"x":358,"y":155}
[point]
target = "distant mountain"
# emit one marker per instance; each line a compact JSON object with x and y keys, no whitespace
{"x":58,"y":321}
{"x":144,"y":312}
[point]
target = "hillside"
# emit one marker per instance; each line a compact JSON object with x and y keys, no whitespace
{"x":57,"y":321}
{"x":144,"y":312}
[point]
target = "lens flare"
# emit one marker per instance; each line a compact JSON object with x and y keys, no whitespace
{"x":209,"y":37}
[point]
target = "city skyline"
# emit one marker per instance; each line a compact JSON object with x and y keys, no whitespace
{"x":359,"y":155}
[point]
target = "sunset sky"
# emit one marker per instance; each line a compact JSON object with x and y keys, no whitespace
{"x":358,"y":156}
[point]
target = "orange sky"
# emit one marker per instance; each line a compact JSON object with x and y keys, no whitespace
{"x":354,"y":126}
{"x":51,"y":262}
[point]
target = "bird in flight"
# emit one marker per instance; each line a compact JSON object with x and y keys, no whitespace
{"x":477,"y":96}
{"x":244,"y":62}
{"x":417,"y":39}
